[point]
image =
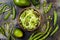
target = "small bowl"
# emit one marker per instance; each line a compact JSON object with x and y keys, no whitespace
{"x":38,"y":14}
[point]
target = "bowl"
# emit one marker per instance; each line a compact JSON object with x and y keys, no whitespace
{"x":29,"y":27}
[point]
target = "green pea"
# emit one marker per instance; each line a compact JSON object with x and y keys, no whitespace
{"x":7,"y":16}
{"x":49,"y":17}
{"x":44,"y":9}
{"x":44,"y":3}
{"x":44,"y":6}
{"x":48,"y":8}
{"x":55,"y":17}
{"x":55,"y":30}
{"x":13,"y":13}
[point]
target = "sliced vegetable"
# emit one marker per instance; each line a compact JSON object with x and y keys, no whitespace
{"x":55,"y":30}
{"x":7,"y":16}
{"x":18,"y":33}
{"x":22,"y":3}
{"x":14,"y":13}
{"x":55,"y":17}
{"x":36,"y":3}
